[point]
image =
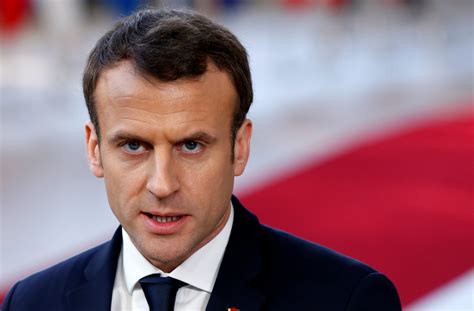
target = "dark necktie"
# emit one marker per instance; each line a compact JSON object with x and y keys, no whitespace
{"x":160,"y":292}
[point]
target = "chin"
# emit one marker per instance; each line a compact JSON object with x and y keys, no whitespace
{"x":166,"y":263}
{"x":163,"y":253}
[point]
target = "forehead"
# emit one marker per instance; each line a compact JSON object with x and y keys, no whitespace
{"x":122,"y":89}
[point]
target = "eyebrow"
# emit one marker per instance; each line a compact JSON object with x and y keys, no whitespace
{"x":199,"y":135}
{"x":122,"y":135}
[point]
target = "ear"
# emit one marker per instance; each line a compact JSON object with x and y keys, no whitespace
{"x":93,"y":152}
{"x":242,"y":147}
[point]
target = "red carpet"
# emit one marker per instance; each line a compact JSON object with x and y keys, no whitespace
{"x":403,"y":204}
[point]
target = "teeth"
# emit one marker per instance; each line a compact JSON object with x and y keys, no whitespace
{"x":166,"y":219}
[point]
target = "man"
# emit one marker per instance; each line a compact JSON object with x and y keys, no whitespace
{"x":168,"y":93}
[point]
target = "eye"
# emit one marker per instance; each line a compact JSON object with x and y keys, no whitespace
{"x":133,"y":147}
{"x":191,"y":146}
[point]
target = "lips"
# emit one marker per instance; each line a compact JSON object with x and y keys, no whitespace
{"x":164,"y":224}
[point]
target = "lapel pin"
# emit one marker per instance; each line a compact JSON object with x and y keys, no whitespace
{"x":233,"y":309}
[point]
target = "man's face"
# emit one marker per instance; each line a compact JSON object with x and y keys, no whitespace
{"x":165,"y":156}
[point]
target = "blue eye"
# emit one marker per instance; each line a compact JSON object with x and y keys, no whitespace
{"x":132,"y":146}
{"x":191,"y":147}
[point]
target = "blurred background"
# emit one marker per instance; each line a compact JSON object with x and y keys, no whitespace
{"x":363,"y":139}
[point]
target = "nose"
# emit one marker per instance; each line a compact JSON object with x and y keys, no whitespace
{"x":162,"y":181}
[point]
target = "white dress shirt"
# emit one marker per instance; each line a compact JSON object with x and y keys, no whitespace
{"x":199,"y":271}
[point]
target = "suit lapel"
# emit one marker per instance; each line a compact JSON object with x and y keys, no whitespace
{"x":238,"y":282}
{"x":94,"y":289}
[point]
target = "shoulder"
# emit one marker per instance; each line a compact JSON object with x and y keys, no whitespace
{"x":321,"y":276}
{"x":308,"y":258}
{"x":287,"y":256}
{"x":48,"y":285}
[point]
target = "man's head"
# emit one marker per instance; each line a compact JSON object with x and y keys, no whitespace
{"x":169,"y":45}
{"x":169,"y":92}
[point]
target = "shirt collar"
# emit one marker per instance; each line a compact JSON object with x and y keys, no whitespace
{"x":199,"y":270}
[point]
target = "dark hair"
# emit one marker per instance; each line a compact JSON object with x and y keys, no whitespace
{"x":169,"y":45}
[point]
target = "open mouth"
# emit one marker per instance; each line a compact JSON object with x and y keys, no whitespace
{"x":163,"y":219}
{"x":163,"y":224}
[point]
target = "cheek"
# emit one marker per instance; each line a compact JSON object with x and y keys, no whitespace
{"x":209,"y":181}
{"x":123,"y":186}
{"x":216,"y":166}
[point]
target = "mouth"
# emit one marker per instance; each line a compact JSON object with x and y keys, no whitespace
{"x":163,"y":219}
{"x":164,"y":224}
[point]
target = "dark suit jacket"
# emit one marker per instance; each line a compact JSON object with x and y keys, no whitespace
{"x":262,"y":268}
